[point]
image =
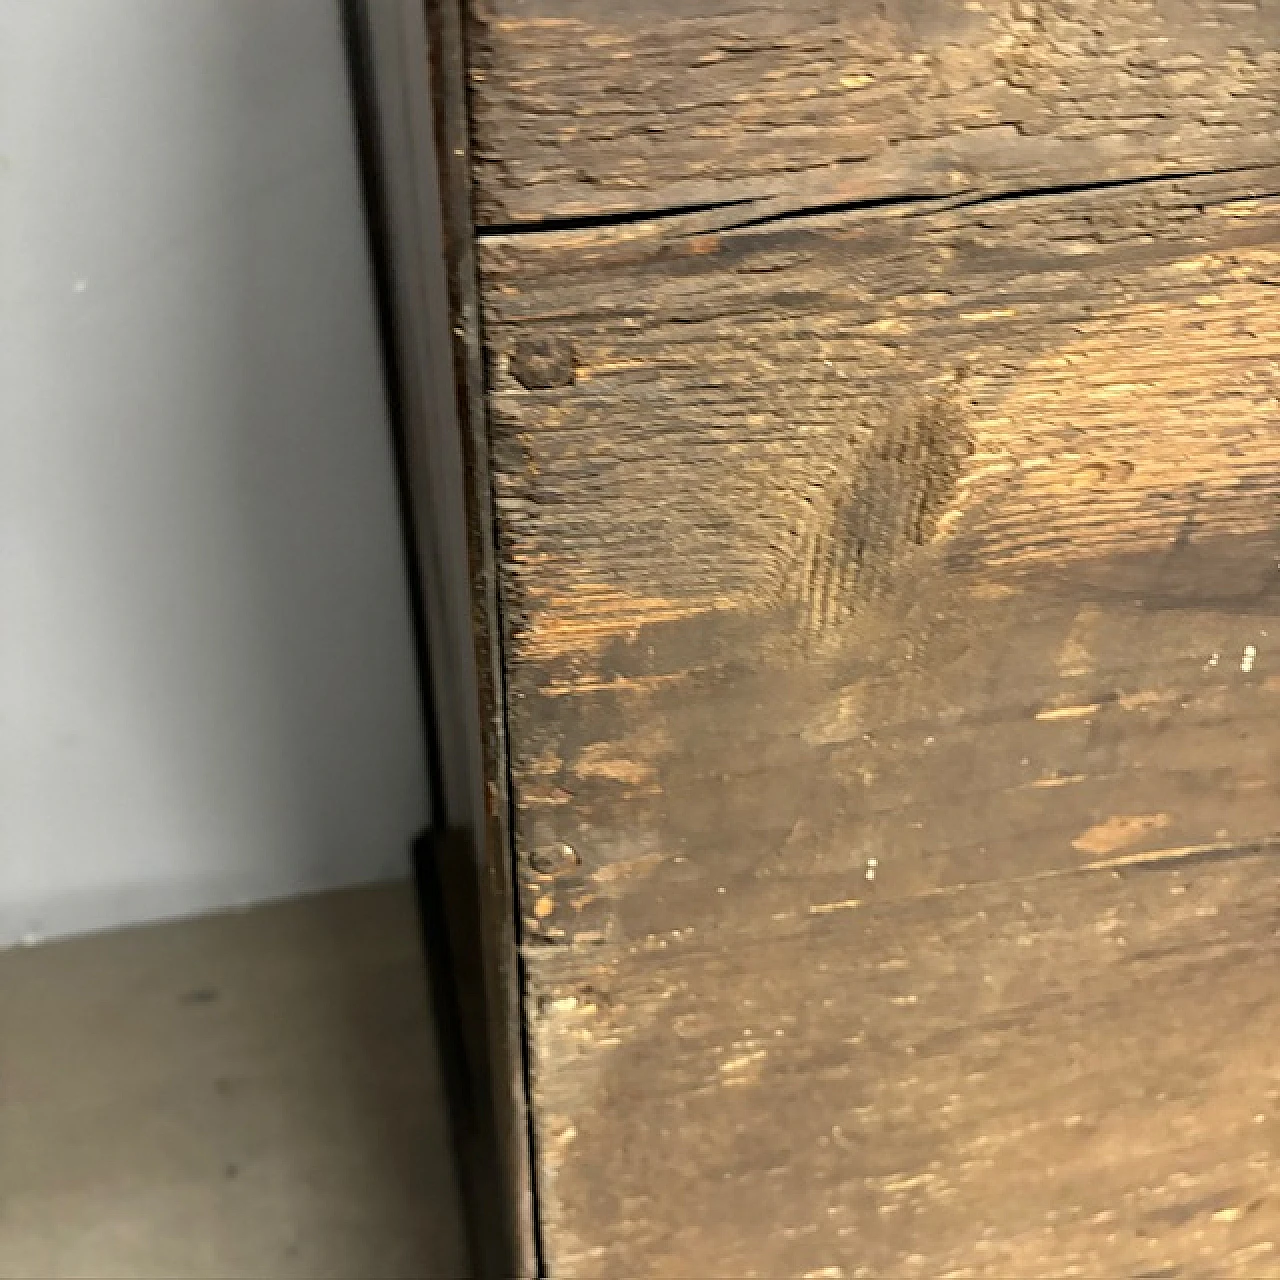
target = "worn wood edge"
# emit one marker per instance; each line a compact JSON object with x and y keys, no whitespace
{"x":445,"y":42}
{"x":418,"y":155}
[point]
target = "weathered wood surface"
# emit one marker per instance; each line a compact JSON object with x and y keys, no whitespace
{"x":878,"y":590}
{"x":752,"y":416}
{"x":891,"y":602}
{"x":587,"y":108}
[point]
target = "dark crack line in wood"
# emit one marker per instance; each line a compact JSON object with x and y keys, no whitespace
{"x":1115,"y":184}
{"x":701,"y":219}
{"x":605,"y":221}
{"x":912,"y":206}
{"x":1148,"y":860}
{"x":1191,"y":856}
{"x":1214,"y":851}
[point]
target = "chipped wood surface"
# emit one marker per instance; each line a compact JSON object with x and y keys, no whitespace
{"x":891,"y":584}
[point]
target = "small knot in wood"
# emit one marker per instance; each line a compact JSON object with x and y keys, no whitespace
{"x":539,"y":363}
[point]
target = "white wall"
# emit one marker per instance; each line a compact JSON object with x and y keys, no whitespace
{"x":206,"y":686}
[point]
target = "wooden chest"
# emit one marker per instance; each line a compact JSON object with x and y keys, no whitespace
{"x":870,"y":416}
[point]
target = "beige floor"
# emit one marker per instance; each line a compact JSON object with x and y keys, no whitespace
{"x":246,"y":1095}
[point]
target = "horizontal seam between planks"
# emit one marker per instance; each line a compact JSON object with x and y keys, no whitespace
{"x":751,"y":213}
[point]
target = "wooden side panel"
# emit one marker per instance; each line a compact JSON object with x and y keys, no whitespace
{"x":892,"y":595}
{"x":893,"y":618}
{"x":585,"y":108}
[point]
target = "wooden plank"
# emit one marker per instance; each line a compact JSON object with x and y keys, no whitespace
{"x":685,"y":424}
{"x":891,"y":603}
{"x":1075,"y":1076}
{"x":582,"y":108}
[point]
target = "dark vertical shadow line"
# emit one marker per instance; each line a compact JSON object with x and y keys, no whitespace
{"x":462,"y":1120}
{"x":449,"y":52}
{"x":501,"y":1217}
{"x":377,"y":231}
{"x":431,"y":852}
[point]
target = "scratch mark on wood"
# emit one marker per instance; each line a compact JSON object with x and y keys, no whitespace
{"x":1076,"y":711}
{"x":1118,"y":831}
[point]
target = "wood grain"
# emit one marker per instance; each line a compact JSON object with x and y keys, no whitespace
{"x":890,"y":606}
{"x":1075,"y":1076}
{"x":892,"y":601}
{"x":885,"y":415}
{"x":585,"y":109}
{"x":784,"y":413}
